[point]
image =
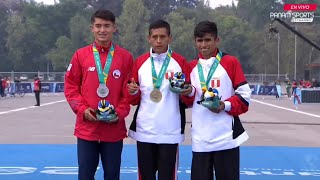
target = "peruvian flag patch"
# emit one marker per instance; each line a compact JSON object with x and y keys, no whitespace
{"x":169,"y":74}
{"x":215,"y":83}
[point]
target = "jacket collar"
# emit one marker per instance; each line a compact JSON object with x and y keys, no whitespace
{"x":159,"y":57}
{"x":213,"y":55}
{"x":102,"y":48}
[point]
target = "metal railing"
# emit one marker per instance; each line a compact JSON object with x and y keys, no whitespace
{"x":59,"y":77}
{"x":28,"y":76}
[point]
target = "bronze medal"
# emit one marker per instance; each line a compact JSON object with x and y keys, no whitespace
{"x":155,"y":95}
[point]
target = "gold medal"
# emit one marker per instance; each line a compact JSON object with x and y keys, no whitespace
{"x":155,"y":95}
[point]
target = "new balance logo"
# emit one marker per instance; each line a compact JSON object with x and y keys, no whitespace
{"x":91,"y":68}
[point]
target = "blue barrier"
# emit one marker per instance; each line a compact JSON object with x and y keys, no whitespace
{"x":59,"y":87}
{"x":254,"y":88}
{"x":56,"y":87}
{"x":267,"y":90}
{"x":26,"y":87}
{"x":48,"y":87}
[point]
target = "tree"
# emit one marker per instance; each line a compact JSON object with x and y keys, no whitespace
{"x":160,"y":8}
{"x":5,"y":63}
{"x":234,"y":34}
{"x":257,"y":13}
{"x":133,"y":27}
{"x":62,"y":54}
{"x":199,"y":13}
{"x":182,"y":35}
{"x":21,"y":43}
{"x":80,"y":31}
{"x":115,"y":6}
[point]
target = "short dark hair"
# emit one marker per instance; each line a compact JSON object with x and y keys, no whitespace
{"x":160,"y":24}
{"x":103,"y":14}
{"x":205,"y":27}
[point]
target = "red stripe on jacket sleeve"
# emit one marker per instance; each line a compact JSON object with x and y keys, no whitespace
{"x":239,"y":101}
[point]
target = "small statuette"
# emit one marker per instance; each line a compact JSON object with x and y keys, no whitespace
{"x":210,"y":98}
{"x":177,"y":83}
{"x":106,"y":112}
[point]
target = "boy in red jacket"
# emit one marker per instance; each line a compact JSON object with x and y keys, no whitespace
{"x":99,"y":72}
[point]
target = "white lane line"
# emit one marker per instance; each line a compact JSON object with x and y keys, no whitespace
{"x":288,"y":109}
{"x":30,"y":107}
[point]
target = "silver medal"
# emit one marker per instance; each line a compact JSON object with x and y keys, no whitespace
{"x":102,"y":91}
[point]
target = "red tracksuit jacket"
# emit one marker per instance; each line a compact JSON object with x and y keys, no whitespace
{"x":81,"y":83}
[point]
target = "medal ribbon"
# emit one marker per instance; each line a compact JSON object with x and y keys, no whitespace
{"x":157,"y":80}
{"x":203,"y":82}
{"x":103,"y":74}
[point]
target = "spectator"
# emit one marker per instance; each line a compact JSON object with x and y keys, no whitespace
{"x":315,"y":83}
{"x":1,"y":87}
{"x":16,"y":86}
{"x":307,"y":84}
{"x":301,"y":82}
{"x":288,"y":88}
{"x":277,"y":84}
{"x":294,"y":87}
{"x":37,"y":89}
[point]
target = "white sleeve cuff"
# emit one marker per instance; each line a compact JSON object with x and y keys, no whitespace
{"x":136,"y":92}
{"x":192,"y":92}
{"x":227,"y":105}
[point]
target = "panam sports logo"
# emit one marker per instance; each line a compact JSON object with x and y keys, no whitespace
{"x":296,"y":12}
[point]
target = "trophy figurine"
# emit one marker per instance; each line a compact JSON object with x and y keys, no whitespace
{"x":106,"y":112}
{"x":177,"y":82}
{"x":210,"y":98}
